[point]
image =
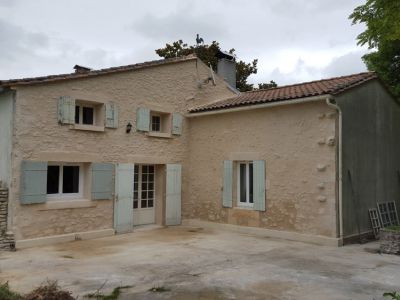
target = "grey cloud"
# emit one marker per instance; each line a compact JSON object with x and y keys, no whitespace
{"x":346,"y":64}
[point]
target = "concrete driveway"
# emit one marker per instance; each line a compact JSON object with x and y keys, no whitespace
{"x":194,"y":263}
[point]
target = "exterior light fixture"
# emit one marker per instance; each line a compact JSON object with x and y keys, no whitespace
{"x":128,"y":127}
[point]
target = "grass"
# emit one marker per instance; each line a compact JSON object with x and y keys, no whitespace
{"x":394,"y":228}
{"x":7,"y":294}
{"x":113,"y":296}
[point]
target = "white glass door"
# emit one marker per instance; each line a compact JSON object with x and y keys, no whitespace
{"x":144,"y":195}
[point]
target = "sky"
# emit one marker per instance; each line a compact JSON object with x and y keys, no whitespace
{"x":293,"y":40}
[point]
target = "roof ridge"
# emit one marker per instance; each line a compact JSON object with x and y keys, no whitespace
{"x":312,"y":81}
{"x":94,"y":72}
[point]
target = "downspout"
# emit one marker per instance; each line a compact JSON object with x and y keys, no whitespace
{"x":332,"y":103}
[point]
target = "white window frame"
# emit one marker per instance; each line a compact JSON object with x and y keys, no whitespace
{"x":81,"y":105}
{"x":151,"y":122}
{"x":60,"y":195}
{"x":247,"y":203}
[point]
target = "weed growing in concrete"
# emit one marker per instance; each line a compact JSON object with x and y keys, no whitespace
{"x":159,"y":289}
{"x":113,"y":296}
{"x":49,"y":291}
{"x":7,"y":294}
{"x":393,"y":295}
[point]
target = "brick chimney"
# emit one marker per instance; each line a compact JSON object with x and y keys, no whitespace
{"x":81,"y":69}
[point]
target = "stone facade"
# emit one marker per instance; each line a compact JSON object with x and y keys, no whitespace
{"x":6,"y":238}
{"x":297,"y":143}
{"x":390,"y":241}
{"x":39,"y":137}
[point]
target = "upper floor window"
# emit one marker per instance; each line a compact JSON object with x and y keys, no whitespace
{"x":84,"y":114}
{"x":156,"y":123}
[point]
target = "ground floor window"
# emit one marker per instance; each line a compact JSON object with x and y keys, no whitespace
{"x":245,"y":183}
{"x":143,"y":187}
{"x":64,"y":180}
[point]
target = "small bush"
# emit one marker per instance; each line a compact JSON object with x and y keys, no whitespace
{"x":7,"y":294}
{"x":49,"y":291}
{"x":393,"y":295}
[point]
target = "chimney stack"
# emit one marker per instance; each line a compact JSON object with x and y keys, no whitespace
{"x":226,"y":67}
{"x":81,"y":69}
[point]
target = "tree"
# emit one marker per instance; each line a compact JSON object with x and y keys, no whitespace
{"x":208,"y":54}
{"x":265,"y":86}
{"x":382,"y":18}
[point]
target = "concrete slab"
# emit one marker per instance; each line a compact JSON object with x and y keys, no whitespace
{"x":198,"y":263}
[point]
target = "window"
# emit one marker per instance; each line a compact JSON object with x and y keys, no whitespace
{"x":64,"y":180}
{"x":84,"y":114}
{"x":156,"y":123}
{"x":143,"y":187}
{"x":245,"y":184}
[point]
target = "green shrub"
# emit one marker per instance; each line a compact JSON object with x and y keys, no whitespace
{"x":7,"y":294}
{"x":393,"y":295}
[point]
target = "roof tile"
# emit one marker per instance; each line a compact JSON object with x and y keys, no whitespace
{"x":331,"y":86}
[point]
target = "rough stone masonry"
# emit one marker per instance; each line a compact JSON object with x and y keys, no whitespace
{"x":6,"y":238}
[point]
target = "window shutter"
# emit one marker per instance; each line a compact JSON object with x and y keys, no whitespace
{"x":177,"y":120}
{"x":123,"y":206}
{"x":66,"y":110}
{"x":259,"y":185}
{"x":227,"y":188}
{"x":102,"y":181}
{"x":143,"y":119}
{"x":111,"y":115}
{"x":173,"y":195}
{"x":33,"y":182}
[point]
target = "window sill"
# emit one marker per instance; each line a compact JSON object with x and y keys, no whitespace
{"x":88,"y":127}
{"x":164,"y":135}
{"x":68,"y":204}
{"x":244,"y":207}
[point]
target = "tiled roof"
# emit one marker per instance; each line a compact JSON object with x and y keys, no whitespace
{"x":332,"y":86}
{"x":90,"y":73}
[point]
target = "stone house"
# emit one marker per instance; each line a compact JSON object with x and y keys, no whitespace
{"x":97,"y":152}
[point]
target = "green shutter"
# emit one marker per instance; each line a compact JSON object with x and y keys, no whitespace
{"x":173,"y":195}
{"x":33,"y":182}
{"x":123,"y":205}
{"x":227,"y":188}
{"x":259,"y":185}
{"x":177,"y":120}
{"x":102,"y":181}
{"x":66,"y":110}
{"x":143,"y":119}
{"x":111,"y":115}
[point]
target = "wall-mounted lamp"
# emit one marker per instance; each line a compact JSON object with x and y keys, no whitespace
{"x":128,"y":127}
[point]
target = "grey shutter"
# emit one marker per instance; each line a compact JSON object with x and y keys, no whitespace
{"x":111,"y":115}
{"x":173,"y":195}
{"x":227,"y":188}
{"x":143,"y":119}
{"x":102,"y":181}
{"x":66,"y":110}
{"x":259,"y":185}
{"x":177,"y":120}
{"x":33,"y":182}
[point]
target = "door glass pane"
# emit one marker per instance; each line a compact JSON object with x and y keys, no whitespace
{"x":150,"y":203}
{"x":250,"y":182}
{"x":144,"y":203}
{"x":151,"y":169}
{"x":135,"y":203}
{"x":242,"y":182}
{"x":70,"y":179}
{"x":53,"y":176}
{"x":144,"y":195}
{"x":87,"y":115}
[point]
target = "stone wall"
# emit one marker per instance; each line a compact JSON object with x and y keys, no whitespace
{"x":297,"y":143}
{"x":6,"y":238}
